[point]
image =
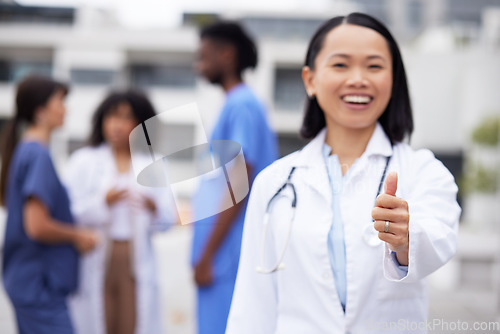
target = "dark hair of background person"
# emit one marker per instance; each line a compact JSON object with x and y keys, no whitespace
{"x":233,"y":34}
{"x":33,"y":92}
{"x":142,"y":110}
{"x":397,"y":119}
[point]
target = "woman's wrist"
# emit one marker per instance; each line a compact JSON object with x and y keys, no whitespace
{"x":402,"y":257}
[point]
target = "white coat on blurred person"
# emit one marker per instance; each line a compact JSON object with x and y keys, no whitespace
{"x":90,"y":174}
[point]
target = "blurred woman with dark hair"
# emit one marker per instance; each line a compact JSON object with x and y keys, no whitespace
{"x":40,"y":258}
{"x":118,"y":279}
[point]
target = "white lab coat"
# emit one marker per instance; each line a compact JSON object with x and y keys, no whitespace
{"x":302,"y":298}
{"x":90,"y":174}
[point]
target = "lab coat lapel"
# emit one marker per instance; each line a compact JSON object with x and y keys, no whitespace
{"x":311,"y":160}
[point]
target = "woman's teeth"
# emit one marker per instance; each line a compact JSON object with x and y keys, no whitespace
{"x":357,"y":99}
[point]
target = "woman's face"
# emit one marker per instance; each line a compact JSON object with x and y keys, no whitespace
{"x":52,"y":114}
{"x":117,"y":125}
{"x":352,"y":78}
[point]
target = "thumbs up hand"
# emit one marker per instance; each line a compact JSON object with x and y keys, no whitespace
{"x":391,"y":218}
{"x":391,"y":184}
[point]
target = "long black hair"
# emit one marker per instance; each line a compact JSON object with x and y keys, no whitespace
{"x":234,"y":34}
{"x":33,"y":92}
{"x":142,"y":109}
{"x":397,"y":119}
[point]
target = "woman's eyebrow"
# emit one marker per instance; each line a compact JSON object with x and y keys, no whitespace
{"x":343,"y":55}
{"x":376,"y":57}
{"x":347,"y":56}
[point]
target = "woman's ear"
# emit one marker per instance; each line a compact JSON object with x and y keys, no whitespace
{"x":308,"y":79}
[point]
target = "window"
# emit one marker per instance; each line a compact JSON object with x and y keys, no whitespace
{"x":282,"y":28}
{"x":13,"y":71}
{"x":290,"y":142}
{"x":454,"y":162}
{"x":199,"y":19}
{"x":172,"y":76}
{"x":3,"y":127}
{"x":376,"y":8}
{"x":468,"y":11}
{"x":80,"y":76}
{"x":12,"y":12}
{"x":289,"y":91}
{"x":415,"y":14}
{"x":4,"y":71}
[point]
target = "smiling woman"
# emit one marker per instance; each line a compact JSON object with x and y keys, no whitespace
{"x":351,"y":73}
{"x":351,"y":81}
{"x":368,"y":51}
{"x":355,"y":252}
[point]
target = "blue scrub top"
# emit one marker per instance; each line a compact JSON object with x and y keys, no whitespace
{"x":243,"y":120}
{"x":34,"y":273}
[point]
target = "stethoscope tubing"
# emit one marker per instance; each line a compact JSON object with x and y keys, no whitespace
{"x":279,"y":264}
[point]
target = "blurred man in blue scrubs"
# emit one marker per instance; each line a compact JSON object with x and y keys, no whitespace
{"x":225,"y":51}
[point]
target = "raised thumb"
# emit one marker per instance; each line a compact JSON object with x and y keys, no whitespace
{"x":391,"y":183}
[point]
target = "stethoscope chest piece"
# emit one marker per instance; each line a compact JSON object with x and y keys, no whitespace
{"x":370,"y":236}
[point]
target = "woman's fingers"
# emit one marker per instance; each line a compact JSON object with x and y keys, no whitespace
{"x":393,"y":215}
{"x":86,"y":241}
{"x":391,"y":219}
{"x":397,"y":242}
{"x":390,"y":202}
{"x":115,"y":195}
{"x":392,"y":227}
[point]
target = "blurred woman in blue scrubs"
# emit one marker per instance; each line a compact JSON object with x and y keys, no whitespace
{"x":40,"y":255}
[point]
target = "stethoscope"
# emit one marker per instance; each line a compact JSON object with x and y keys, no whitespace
{"x":370,"y":235}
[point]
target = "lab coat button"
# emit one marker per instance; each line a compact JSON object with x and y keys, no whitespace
{"x":327,"y":275}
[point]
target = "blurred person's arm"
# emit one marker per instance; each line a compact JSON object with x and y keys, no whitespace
{"x":225,"y":220}
{"x":160,"y":202}
{"x":40,"y":227}
{"x":244,"y":129}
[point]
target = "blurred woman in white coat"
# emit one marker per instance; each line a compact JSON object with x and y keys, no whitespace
{"x":326,"y":247}
{"x":118,"y":290}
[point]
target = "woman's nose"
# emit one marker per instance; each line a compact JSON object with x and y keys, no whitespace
{"x":357,"y":78}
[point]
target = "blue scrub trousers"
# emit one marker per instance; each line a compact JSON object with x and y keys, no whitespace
{"x":53,"y":319}
{"x":214,"y":303}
